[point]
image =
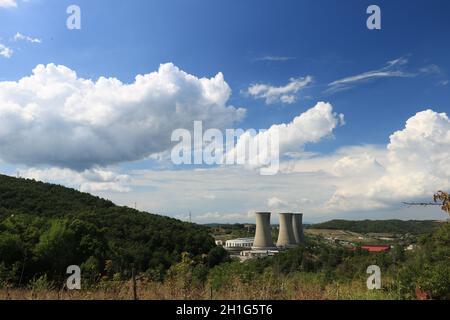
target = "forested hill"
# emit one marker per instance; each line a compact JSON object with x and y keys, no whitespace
{"x":46,"y":200}
{"x":380,"y":226}
{"x":44,"y":228}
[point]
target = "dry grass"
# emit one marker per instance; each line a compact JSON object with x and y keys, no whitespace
{"x":300,"y":288}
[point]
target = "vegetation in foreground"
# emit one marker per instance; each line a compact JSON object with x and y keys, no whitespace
{"x":302,"y":286}
{"x":45,"y":228}
{"x":315,"y":271}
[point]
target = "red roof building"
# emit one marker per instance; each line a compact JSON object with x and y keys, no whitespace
{"x":376,"y":248}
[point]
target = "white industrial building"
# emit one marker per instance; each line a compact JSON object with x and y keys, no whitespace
{"x":240,"y":243}
{"x":251,"y":254}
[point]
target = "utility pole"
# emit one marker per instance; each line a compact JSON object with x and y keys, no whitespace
{"x":190,"y":217}
{"x":133,"y":283}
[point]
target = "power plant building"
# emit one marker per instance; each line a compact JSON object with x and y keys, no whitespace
{"x":286,"y":238}
{"x":240,"y":243}
{"x":297,"y":226}
{"x":263,"y":235}
{"x":290,"y":234}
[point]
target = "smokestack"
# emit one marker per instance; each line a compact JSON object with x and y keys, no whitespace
{"x":286,"y":235}
{"x":263,"y":234}
{"x":297,"y":225}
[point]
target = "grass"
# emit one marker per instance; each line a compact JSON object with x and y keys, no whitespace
{"x":301,"y":286}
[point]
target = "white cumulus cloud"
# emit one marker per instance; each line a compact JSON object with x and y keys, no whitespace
{"x":55,"y":118}
{"x":367,"y":181}
{"x":413,"y":166}
{"x":276,"y":203}
{"x":310,"y":126}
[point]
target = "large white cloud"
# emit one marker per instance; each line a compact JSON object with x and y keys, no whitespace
{"x":354,"y":182}
{"x":213,"y":188}
{"x":310,"y":126}
{"x":53,"y":117}
{"x":414,"y":165}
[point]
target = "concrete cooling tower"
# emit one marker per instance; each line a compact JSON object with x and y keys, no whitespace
{"x":286,"y":236}
{"x":297,"y":225}
{"x":263,"y":235}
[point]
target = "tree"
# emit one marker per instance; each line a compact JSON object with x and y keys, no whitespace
{"x":45,"y":228}
{"x":216,"y":256}
{"x":56,"y":247}
{"x":429,"y":269}
{"x":445,"y":198}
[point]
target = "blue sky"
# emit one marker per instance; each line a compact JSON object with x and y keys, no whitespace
{"x":378,"y":79}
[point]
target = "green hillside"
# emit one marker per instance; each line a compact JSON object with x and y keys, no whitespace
{"x":44,"y":228}
{"x":380,"y":226}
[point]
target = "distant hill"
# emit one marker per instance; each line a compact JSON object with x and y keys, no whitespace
{"x":415,"y":227}
{"x":44,"y":228}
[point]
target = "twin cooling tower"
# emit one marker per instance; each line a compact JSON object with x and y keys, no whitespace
{"x":290,"y":232}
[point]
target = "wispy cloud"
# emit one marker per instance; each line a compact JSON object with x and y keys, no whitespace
{"x":8,"y":3}
{"x":392,"y":69}
{"x":286,"y":94}
{"x":5,"y":51}
{"x":21,"y":37}
{"x":275,"y":58}
{"x":431,"y":69}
